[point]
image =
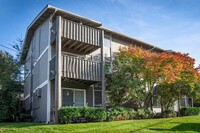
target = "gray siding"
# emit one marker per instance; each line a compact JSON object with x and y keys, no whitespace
{"x":38,"y":43}
{"x":44,"y":35}
{"x":27,"y":104}
{"x":36,"y":76}
{"x":43,"y":63}
{"x":40,"y":105}
{"x":27,"y":85}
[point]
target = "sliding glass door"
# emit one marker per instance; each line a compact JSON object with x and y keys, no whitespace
{"x":73,"y":97}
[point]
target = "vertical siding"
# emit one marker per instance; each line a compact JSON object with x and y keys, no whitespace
{"x":39,"y":105}
{"x":39,"y":42}
{"x":27,"y":86}
{"x":27,"y":104}
{"x":43,"y":63}
{"x":44,"y":36}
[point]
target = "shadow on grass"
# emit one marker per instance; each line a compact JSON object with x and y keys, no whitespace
{"x":152,"y":125}
{"x":195,"y":127}
{"x":20,"y":124}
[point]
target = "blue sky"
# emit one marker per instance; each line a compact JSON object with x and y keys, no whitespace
{"x":168,"y":24}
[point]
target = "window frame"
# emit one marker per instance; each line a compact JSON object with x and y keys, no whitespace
{"x":73,"y":90}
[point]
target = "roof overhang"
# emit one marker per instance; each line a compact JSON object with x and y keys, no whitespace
{"x":45,"y":14}
{"x":131,"y":40}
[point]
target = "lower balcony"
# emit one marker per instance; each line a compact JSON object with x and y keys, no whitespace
{"x":77,"y":68}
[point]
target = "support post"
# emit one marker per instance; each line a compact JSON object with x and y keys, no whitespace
{"x":103,"y":73}
{"x":58,"y":90}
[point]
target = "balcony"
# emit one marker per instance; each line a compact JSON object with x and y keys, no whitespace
{"x":78,"y":38}
{"x":77,"y":68}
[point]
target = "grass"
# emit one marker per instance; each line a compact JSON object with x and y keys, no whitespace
{"x":182,"y":124}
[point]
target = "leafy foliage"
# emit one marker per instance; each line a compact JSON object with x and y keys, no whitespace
{"x":168,"y":114}
{"x":144,"y":114}
{"x":120,"y":113}
{"x":10,"y":87}
{"x":138,"y":72}
{"x":79,"y":114}
{"x":190,"y":111}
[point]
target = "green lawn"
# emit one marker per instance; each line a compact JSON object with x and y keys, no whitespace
{"x":182,"y":124}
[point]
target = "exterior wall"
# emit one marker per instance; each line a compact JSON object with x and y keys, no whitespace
{"x":52,"y":101}
{"x":116,"y":44}
{"x":39,"y":105}
{"x":27,"y":104}
{"x":39,"y":52}
{"x":27,"y":86}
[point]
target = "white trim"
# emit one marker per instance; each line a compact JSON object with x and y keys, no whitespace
{"x":73,"y":89}
{"x":41,"y":55}
{"x":40,"y":86}
{"x":43,"y":52}
{"x":27,"y":97}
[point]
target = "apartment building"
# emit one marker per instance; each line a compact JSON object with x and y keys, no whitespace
{"x":64,"y":56}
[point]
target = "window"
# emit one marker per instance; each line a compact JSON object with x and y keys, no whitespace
{"x":156,"y":101}
{"x":97,"y":98}
{"x":73,"y":97}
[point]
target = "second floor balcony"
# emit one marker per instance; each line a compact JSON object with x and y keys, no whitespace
{"x":77,"y":68}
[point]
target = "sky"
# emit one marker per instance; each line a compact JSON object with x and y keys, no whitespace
{"x":168,"y":24}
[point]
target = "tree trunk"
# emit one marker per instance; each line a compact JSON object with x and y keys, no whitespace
{"x":192,"y":102}
{"x":178,"y":106}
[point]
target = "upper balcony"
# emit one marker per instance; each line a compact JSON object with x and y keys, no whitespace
{"x":78,"y":38}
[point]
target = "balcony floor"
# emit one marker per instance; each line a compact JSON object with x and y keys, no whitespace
{"x":77,"y":47}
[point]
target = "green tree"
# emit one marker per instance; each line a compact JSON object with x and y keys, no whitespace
{"x":10,"y":86}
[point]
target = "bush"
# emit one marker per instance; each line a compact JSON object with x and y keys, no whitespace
{"x":120,"y":113}
{"x":79,"y":114}
{"x":168,"y":114}
{"x":189,"y":111}
{"x":144,"y":114}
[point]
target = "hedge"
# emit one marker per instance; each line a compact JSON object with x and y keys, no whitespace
{"x":144,"y":114}
{"x":120,"y":113}
{"x":81,"y":114}
{"x":189,"y":111}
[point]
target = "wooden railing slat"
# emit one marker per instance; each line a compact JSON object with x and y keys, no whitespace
{"x":77,"y":68}
{"x":79,"y":32}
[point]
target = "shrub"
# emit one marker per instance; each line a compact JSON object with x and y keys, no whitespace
{"x":189,"y":111}
{"x":144,"y":114}
{"x":93,"y":114}
{"x":168,"y":114}
{"x":79,"y":114}
{"x":120,"y":113}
